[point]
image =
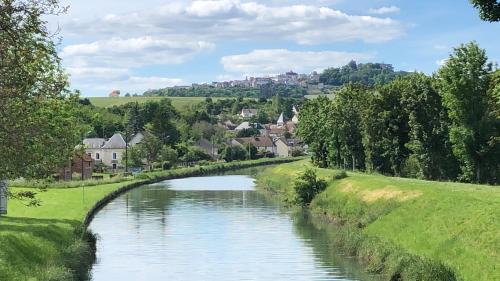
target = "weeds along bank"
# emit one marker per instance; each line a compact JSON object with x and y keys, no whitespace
{"x":404,"y":229}
{"x":50,"y":242}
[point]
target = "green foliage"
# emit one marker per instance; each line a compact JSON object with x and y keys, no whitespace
{"x":368,"y":74}
{"x":37,"y":121}
{"x":464,"y":83}
{"x":251,"y":132}
{"x":307,"y":186}
{"x":489,"y":10}
{"x":234,"y":153}
{"x":338,"y":175}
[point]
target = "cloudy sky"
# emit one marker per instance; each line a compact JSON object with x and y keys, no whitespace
{"x":137,"y":45}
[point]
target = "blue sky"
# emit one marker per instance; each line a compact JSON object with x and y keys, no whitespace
{"x":136,"y":45}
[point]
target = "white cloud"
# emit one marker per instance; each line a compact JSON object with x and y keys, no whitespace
{"x":215,"y":20}
{"x":274,"y":61}
{"x":102,"y":80}
{"x":384,"y":10}
{"x":133,"y":51}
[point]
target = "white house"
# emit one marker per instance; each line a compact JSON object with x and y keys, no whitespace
{"x":248,"y":112}
{"x":261,"y":143}
{"x":110,"y":152}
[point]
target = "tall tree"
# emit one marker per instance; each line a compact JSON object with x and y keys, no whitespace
{"x":349,"y":106}
{"x":386,"y":131}
{"x":134,"y":118}
{"x":317,"y":129}
{"x":489,"y":10}
{"x":428,"y":123}
{"x":464,"y":82}
{"x":38,"y":127}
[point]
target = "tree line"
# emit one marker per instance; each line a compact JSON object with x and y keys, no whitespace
{"x":440,"y":127}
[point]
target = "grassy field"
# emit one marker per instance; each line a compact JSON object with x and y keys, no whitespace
{"x":179,"y":102}
{"x":41,"y":240}
{"x":455,"y":224}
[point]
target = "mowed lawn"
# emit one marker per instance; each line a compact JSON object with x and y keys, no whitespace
{"x":454,"y":223}
{"x":179,"y":103}
{"x":33,"y":239}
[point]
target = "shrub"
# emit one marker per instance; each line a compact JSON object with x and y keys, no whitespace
{"x":307,"y":186}
{"x":337,"y":175}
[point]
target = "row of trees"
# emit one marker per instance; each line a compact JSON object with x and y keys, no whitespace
{"x":440,"y":127}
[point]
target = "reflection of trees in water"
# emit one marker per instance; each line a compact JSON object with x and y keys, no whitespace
{"x":320,"y":236}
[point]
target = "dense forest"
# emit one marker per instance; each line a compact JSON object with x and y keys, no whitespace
{"x":444,"y":127}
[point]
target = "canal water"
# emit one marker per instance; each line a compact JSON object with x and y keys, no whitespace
{"x":212,"y":229}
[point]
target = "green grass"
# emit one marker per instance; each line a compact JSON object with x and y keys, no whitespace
{"x":179,"y":103}
{"x":35,"y":241}
{"x":454,"y":224}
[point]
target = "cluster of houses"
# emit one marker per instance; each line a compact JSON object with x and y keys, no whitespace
{"x":289,"y":78}
{"x":273,"y":139}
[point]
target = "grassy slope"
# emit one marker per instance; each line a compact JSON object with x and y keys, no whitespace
{"x":456,"y":224}
{"x":38,"y":237}
{"x":178,"y":102}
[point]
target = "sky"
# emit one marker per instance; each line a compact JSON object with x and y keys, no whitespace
{"x":133,"y":46}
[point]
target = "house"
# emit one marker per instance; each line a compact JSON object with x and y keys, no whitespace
{"x":261,"y":143}
{"x":82,"y":164}
{"x":208,"y":147}
{"x":110,"y":152}
{"x":114,"y":94}
{"x":285,"y":147}
{"x":248,"y":112}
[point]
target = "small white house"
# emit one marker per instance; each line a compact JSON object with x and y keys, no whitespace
{"x":248,"y":113}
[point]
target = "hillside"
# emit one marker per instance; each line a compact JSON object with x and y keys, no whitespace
{"x":453,"y":224}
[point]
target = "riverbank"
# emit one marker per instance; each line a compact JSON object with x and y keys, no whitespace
{"x":50,"y":242}
{"x":405,"y":229}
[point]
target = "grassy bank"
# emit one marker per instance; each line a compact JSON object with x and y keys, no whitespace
{"x":45,"y":242}
{"x":404,"y":228}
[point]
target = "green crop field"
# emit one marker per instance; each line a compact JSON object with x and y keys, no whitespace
{"x":179,"y":102}
{"x":455,"y":224}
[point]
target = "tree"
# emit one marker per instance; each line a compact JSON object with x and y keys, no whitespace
{"x":428,"y":124}
{"x":386,"y":131}
{"x":135,"y":121}
{"x":307,"y":186}
{"x":150,"y":148}
{"x":317,"y":129}
{"x":161,"y":115}
{"x":464,"y":83}
{"x":489,"y":10}
{"x":349,"y":106}
{"x":38,"y":125}
{"x":135,"y":156}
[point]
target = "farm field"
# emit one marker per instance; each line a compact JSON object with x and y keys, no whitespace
{"x":178,"y":102}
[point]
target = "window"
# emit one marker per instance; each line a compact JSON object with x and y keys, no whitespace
{"x":97,"y":156}
{"x":114,"y":155}
{"x":114,"y":166}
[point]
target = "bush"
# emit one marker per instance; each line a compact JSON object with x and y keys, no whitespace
{"x":338,"y":175}
{"x":307,"y":186}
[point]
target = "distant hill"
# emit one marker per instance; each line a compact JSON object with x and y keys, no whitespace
{"x":369,"y":74}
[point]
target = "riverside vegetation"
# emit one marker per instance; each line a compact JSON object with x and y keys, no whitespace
{"x":403,"y":229}
{"x":50,"y":242}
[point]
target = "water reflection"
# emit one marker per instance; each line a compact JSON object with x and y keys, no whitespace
{"x":211,"y":228}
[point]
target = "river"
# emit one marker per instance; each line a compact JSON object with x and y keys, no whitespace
{"x":212,"y":228}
